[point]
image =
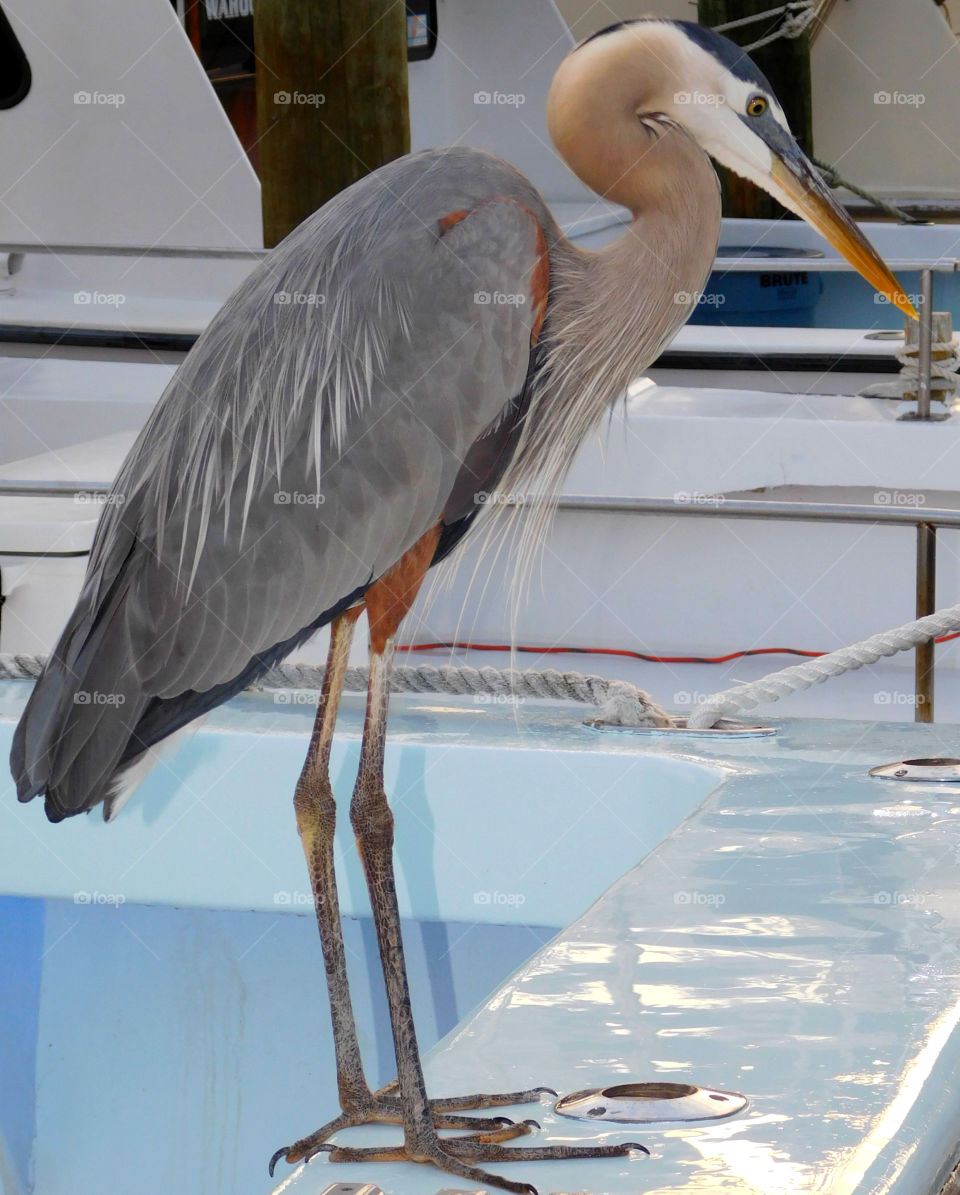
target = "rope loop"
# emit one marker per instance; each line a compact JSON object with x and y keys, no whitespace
{"x":797,"y":17}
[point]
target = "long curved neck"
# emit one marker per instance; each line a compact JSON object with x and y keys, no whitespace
{"x":614,"y":308}
{"x":673,"y":193}
{"x":611,"y":310}
{"x":603,"y":117}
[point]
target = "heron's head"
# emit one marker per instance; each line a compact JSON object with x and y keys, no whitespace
{"x":679,"y":73}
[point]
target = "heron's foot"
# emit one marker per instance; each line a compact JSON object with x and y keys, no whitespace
{"x":455,"y":1155}
{"x":383,"y":1107}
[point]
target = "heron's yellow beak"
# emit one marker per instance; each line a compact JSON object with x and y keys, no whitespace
{"x":800,"y":188}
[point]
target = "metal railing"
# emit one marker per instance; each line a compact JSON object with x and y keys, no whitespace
{"x":925,"y":520}
{"x":812,"y":260}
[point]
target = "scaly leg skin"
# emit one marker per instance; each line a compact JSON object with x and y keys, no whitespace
{"x":316,"y":819}
{"x":373,"y":824}
{"x":388,"y":600}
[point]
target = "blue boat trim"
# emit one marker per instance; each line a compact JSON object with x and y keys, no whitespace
{"x":787,"y":928}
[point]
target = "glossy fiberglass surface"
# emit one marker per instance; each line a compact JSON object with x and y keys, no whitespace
{"x":796,"y":940}
{"x":783,"y":926}
{"x":499,"y":819}
{"x":155,"y":970}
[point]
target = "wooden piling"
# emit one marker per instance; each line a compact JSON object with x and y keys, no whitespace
{"x":331,"y":100}
{"x":786,"y":63}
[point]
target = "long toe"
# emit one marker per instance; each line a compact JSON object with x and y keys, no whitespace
{"x":386,"y":1111}
{"x":464,"y":1147}
{"x":456,"y":1155}
{"x":307,"y":1146}
{"x":436,"y":1155}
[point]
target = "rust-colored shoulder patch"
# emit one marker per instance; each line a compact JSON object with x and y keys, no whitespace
{"x":450,"y":219}
{"x":390,"y":597}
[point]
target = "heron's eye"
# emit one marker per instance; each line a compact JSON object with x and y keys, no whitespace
{"x":756,"y":106}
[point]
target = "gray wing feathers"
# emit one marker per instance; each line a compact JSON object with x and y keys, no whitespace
{"x":312,"y":435}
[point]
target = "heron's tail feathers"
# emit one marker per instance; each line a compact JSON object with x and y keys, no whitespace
{"x":81,"y":714}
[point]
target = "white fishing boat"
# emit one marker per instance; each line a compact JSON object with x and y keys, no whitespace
{"x":741,"y":943}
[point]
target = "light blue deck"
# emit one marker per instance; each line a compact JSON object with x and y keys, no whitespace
{"x":214,"y":826}
{"x":795,"y":935}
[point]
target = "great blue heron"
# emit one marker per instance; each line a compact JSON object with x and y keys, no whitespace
{"x":387,"y":393}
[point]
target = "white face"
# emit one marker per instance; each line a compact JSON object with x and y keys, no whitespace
{"x":718,"y":109}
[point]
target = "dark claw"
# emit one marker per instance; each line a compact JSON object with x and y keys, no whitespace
{"x":323,"y":1147}
{"x":504,"y":1120}
{"x":532,"y":1123}
{"x":276,"y":1158}
{"x":531,"y":1188}
{"x":634,"y":1145}
{"x":546,"y":1090}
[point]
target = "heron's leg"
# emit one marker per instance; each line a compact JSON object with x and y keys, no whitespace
{"x":316,"y":812}
{"x":372,"y":820}
{"x":316,"y":819}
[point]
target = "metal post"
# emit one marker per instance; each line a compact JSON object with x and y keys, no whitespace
{"x":924,"y":343}
{"x":926,"y":604}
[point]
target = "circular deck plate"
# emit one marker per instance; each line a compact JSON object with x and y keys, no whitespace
{"x":651,"y":1103}
{"x":940,"y":771}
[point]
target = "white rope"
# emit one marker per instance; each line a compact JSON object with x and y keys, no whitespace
{"x":619,"y":702}
{"x":797,"y":16}
{"x":944,"y":381}
{"x":813,"y":672}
